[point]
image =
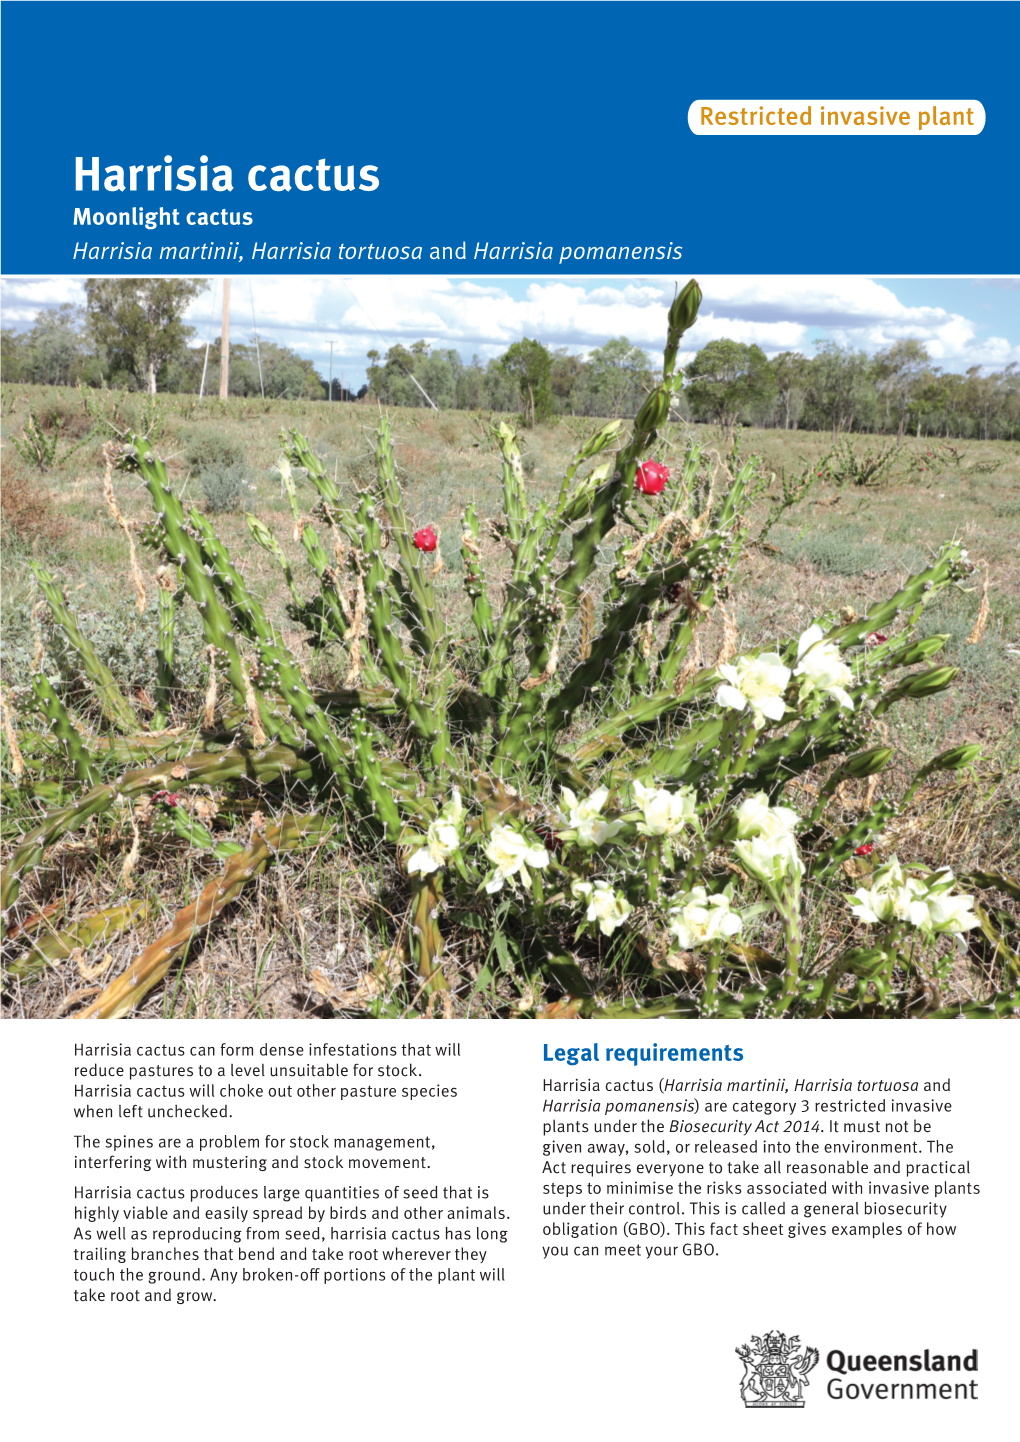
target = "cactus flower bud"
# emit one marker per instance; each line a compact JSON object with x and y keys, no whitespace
{"x":865,"y":763}
{"x":602,"y":438}
{"x":425,"y":539}
{"x":651,"y":478}
{"x":684,"y":310}
{"x":920,"y":650}
{"x":955,"y":759}
{"x":865,"y":850}
{"x":653,"y":412}
{"x":928,"y":683}
{"x":875,"y":638}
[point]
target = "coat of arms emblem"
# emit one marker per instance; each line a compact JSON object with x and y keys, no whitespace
{"x":775,"y":1370}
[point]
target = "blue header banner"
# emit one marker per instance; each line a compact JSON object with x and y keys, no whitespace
{"x":516,"y":138}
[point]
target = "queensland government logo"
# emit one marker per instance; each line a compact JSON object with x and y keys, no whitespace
{"x":775,"y":1370}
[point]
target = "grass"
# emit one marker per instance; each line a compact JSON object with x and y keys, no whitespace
{"x":308,"y":931}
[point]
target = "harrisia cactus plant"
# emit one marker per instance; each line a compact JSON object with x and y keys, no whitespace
{"x":557,"y":773}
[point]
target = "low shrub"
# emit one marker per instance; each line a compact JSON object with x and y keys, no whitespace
{"x":844,"y":551}
{"x":206,"y":447}
{"x":26,"y":508}
{"x":227,"y":487}
{"x":124,"y":641}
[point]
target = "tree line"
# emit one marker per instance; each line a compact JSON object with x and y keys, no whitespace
{"x":898,"y":390}
{"x":131,"y":333}
{"x":612,"y":380}
{"x":838,"y":389}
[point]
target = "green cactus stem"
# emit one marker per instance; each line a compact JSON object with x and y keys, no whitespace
{"x":200,"y":769}
{"x":610,"y":734}
{"x":264,"y":537}
{"x":426,"y":713}
{"x":148,"y":969}
{"x":422,"y":614}
{"x":606,"y":502}
{"x":544,"y":622}
{"x":117,"y":709}
{"x":475,"y":585}
{"x":169,"y":598}
{"x":523,"y":536}
{"x":64,"y":729}
{"x":372,"y":780}
{"x":57,"y":946}
{"x":218,"y":623}
{"x":426,"y":938}
{"x":918,"y":591}
{"x":333,"y":622}
{"x":619,"y":624}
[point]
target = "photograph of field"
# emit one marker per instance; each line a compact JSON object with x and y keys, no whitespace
{"x":604,"y":680}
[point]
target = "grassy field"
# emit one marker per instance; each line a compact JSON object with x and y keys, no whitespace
{"x":307,"y":931}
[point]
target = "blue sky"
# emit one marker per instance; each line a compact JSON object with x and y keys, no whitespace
{"x":963,"y":321}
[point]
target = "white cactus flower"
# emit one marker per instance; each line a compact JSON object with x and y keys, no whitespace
{"x":895,"y":903}
{"x":892,"y":896}
{"x":608,"y":907}
{"x":755,"y":817}
{"x":583,"y":820}
{"x":822,"y":667}
{"x":697,"y":918}
{"x":665,"y":812}
{"x":947,"y":914}
{"x":441,"y":840}
{"x":511,"y":854}
{"x":756,"y":683}
{"x":890,"y":876}
{"x":771,"y":859}
{"x":951,"y":914}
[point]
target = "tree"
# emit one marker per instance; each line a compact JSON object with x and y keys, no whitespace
{"x":983,"y":397}
{"x":285,"y":374}
{"x":500,"y":388}
{"x":471,"y":386}
{"x":528,"y":364}
{"x":1009,"y":399}
{"x":437,"y":377}
{"x":12,"y":351}
{"x":938,"y":401}
{"x":565,"y":370}
{"x":53,"y":354}
{"x":138,"y":323}
{"x":392,"y":381}
{"x":615,"y":380}
{"x":840,"y":383}
{"x":901,"y":370}
{"x":727,"y":378}
{"x":792,"y":372}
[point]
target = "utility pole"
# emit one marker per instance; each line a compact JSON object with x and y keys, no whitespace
{"x":331,"y":372}
{"x":225,"y":343}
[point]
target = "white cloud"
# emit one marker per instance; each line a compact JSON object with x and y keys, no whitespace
{"x":24,"y":296}
{"x":477,"y":315}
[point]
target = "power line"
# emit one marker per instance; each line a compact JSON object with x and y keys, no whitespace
{"x":205,"y":367}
